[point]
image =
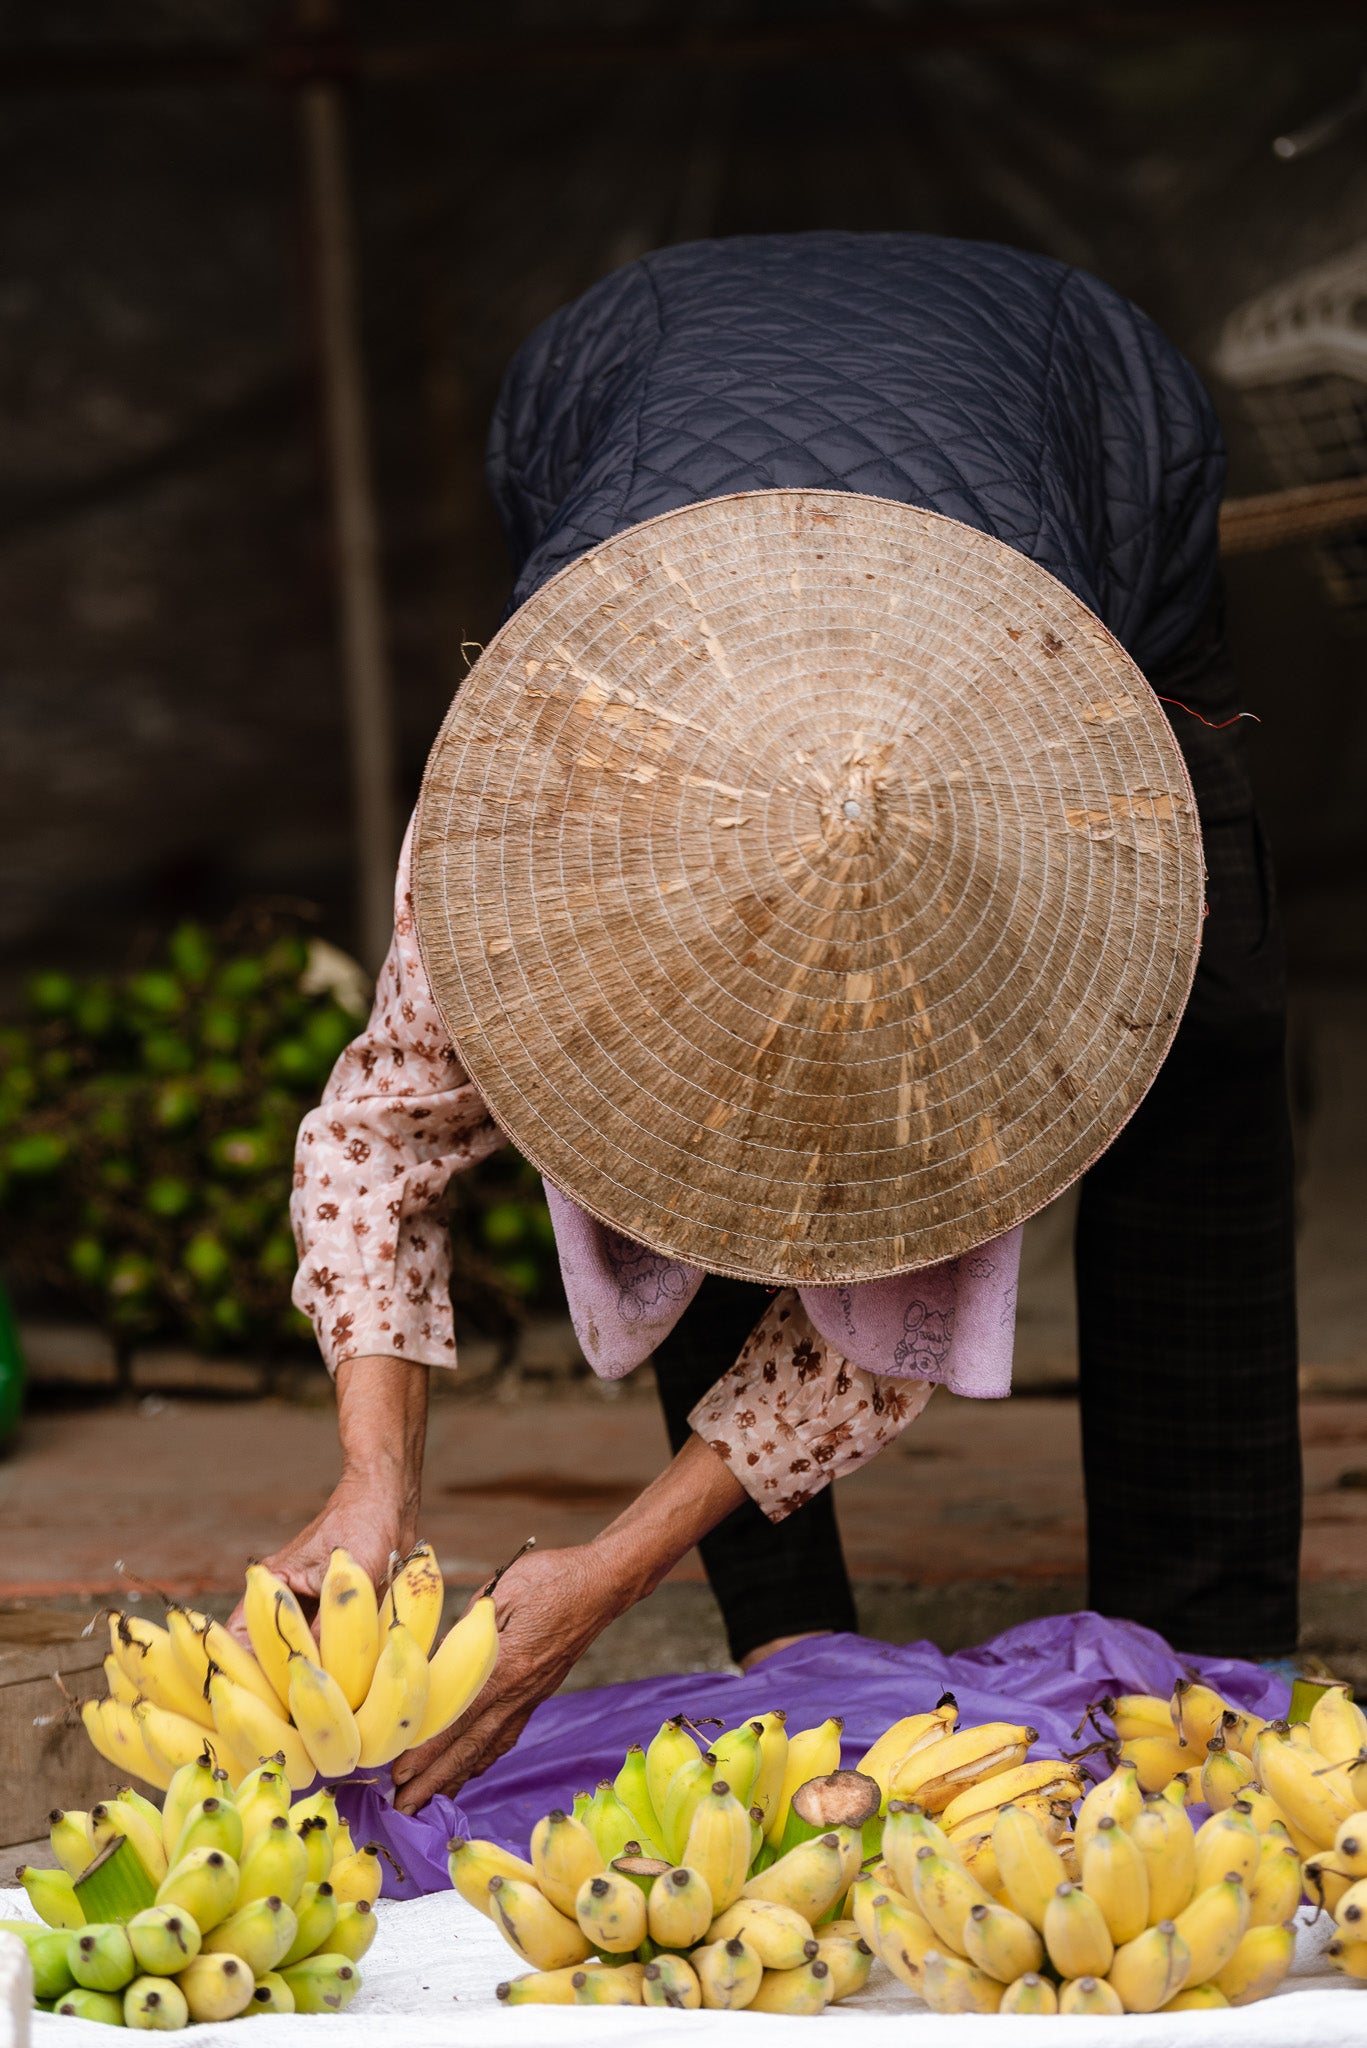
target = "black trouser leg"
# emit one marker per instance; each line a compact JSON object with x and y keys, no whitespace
{"x":1186,"y":1307}
{"x":770,"y":1579}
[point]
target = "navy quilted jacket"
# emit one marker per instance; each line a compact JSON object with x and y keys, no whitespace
{"x":1006,"y":390}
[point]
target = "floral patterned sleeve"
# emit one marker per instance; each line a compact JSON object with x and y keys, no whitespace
{"x":372,"y":1165}
{"x":791,"y":1414}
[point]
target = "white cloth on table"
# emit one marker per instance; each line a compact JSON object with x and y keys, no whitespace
{"x":430,"y":1978}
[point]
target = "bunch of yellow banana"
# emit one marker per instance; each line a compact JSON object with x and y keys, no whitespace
{"x":356,"y":1696}
{"x":1143,"y":1914}
{"x":225,"y":1903}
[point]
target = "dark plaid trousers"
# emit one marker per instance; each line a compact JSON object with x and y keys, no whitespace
{"x":1186,"y":1298}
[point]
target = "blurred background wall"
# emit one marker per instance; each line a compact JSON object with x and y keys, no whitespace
{"x":171,"y":723}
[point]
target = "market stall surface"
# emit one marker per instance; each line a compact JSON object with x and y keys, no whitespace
{"x":431,"y":1978}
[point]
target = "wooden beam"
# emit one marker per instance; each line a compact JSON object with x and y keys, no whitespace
{"x":360,"y":605}
{"x":1278,"y":519}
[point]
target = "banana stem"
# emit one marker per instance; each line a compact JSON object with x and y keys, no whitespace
{"x":487,"y":1588}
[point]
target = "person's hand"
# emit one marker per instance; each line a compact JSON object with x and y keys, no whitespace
{"x":550,"y":1606}
{"x":358,"y":1517}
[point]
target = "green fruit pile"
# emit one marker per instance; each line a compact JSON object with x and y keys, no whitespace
{"x":221,"y":1905}
{"x":147,"y":1127}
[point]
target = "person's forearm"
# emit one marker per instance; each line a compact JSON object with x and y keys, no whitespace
{"x":695,"y":1491}
{"x":382,"y":1425}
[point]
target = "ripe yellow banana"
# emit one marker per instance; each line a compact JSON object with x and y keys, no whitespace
{"x":679,"y":1909}
{"x":949,"y":1984}
{"x":1212,"y":1926}
{"x":668,"y":1751}
{"x":1001,"y":1942}
{"x":1263,"y":1811}
{"x":671,"y":1981}
{"x":1307,"y":1800}
{"x":1350,"y":1844}
{"x":1197,"y":1713}
{"x":119,"y":1817}
{"x":472,"y":1864}
{"x":1227,"y":1842}
{"x":1031,"y":1868}
{"x":934,"y":1776}
{"x":1344,"y":1953}
{"x":69,"y":1834}
{"x":1138,"y":1713}
{"x":121,"y":1686}
{"x":358,"y":1877}
{"x":1045,"y":1778}
{"x":777,"y":1934}
{"x":849,"y":1958}
{"x":944,"y":1894}
{"x":1224,"y":1774}
{"x":621,"y":1986}
{"x":1165,"y":1839}
{"x":1151,"y":1969}
{"x":252,"y":1732}
{"x":460,"y":1670}
{"x":1326,"y":1879}
{"x":1275,"y":1892}
{"x":611,"y":1910}
{"x":354,"y":1930}
{"x":564,"y":1857}
{"x":1242,"y":1729}
{"x":805,"y":1990}
{"x":1030,"y":1995}
{"x":543,"y":1937}
{"x":1118,"y":1795}
{"x":773,"y":1765}
{"x":1258,"y":1964}
{"x":1089,"y":1998}
{"x":148,"y":1660}
{"x":718,"y":1845}
{"x":738,"y":1754}
{"x":216,"y":1987}
{"x":1116,"y":1875}
{"x":200,"y":1642}
{"x":540,"y":1987}
{"x":1076,"y":1935}
{"x":1157,"y":1759}
{"x":728,"y":1974}
{"x":978,"y":1855}
{"x":389,"y":1717}
{"x":348,"y":1626}
{"x":1200,"y":1998}
{"x":415,"y":1597}
{"x":809,"y":1878}
{"x":171,"y":1739}
{"x":912,"y":1732}
{"x":1350,"y":1914}
{"x":276,"y":1625}
{"x":812,"y":1753}
{"x":262,"y":1795}
{"x":906,"y":1831}
{"x":1338,"y":1726}
{"x":327,"y":1727}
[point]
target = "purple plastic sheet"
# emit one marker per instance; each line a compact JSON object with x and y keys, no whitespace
{"x":1043,"y":1673}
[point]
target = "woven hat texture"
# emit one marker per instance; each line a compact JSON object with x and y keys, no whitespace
{"x":810,"y":884}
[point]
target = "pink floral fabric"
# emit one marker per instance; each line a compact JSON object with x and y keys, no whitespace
{"x":372,"y":1164}
{"x":791,"y":1415}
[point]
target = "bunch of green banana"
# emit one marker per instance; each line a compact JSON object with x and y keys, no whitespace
{"x":227,"y":1901}
{"x":366,"y":1689}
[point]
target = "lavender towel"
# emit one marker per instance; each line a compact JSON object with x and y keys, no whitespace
{"x":953,"y":1324}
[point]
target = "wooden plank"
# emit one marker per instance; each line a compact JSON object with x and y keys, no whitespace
{"x":44,"y":1760}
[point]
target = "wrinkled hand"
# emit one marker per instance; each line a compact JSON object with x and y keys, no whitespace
{"x":550,"y":1607}
{"x":356,"y":1517}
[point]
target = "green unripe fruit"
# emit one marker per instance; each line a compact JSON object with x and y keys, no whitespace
{"x":154,"y":2005}
{"x":207,"y":1261}
{"x":80,"y":2004}
{"x":35,"y":1156}
{"x":52,"y":994}
{"x":101,"y":1958}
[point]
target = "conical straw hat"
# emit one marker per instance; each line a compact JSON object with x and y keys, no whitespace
{"x":811,"y":884}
